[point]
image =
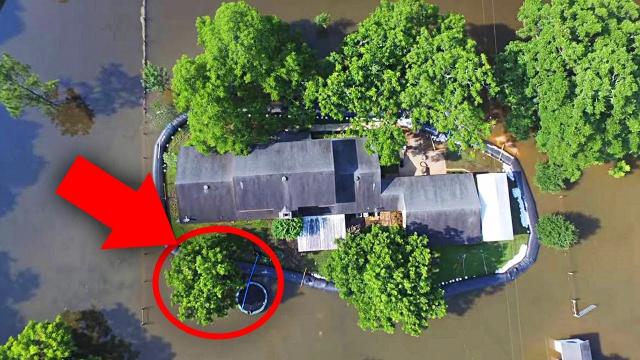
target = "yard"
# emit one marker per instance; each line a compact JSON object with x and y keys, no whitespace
{"x":475,"y":260}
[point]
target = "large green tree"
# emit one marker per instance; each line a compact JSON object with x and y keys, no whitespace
{"x":388,"y":277}
{"x":204,"y":279}
{"x":46,"y":340}
{"x":21,"y":88}
{"x":72,"y":335}
{"x":574,"y":78}
{"x":250,"y":61}
{"x":407,"y":57}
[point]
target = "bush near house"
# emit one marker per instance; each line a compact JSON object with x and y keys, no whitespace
{"x":287,"y":229}
{"x":555,"y":231}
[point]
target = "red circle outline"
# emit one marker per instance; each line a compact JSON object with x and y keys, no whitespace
{"x":229,"y":334}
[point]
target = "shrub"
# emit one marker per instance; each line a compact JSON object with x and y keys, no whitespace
{"x":549,"y":177}
{"x":323,"y":20}
{"x":154,"y":77}
{"x":620,"y":169}
{"x":287,"y":229}
{"x":555,"y":231}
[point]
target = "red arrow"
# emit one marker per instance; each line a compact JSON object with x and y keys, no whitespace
{"x":136,"y":218}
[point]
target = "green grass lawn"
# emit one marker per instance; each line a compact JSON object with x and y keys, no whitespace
{"x":479,"y":260}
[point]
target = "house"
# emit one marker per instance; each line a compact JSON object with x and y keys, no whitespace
{"x":322,"y":180}
{"x":305,"y":177}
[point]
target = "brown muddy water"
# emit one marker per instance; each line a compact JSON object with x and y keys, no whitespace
{"x":49,"y":251}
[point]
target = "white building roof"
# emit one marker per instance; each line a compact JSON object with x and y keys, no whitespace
{"x":321,"y":232}
{"x":495,"y":209}
{"x":573,"y":349}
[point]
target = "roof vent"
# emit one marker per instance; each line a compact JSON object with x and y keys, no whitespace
{"x":357,"y":177}
{"x":284,"y":179}
{"x":285,"y":213}
{"x":205,"y":188}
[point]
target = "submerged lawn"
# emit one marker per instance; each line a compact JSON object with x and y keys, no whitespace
{"x":479,"y":260}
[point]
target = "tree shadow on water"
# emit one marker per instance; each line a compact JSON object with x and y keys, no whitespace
{"x":113,"y":90}
{"x":491,"y":38}
{"x":587,"y":225}
{"x":323,"y":41}
{"x":11,"y":23}
{"x":460,"y":304}
{"x":15,"y":287}
{"x":127,"y":326}
{"x":20,"y":165}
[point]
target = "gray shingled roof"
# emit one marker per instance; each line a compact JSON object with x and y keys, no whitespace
{"x":444,"y":207}
{"x":321,"y":177}
{"x":324,"y":176}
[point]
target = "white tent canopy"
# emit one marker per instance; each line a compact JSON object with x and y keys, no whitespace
{"x":321,"y":232}
{"x":495,"y":209}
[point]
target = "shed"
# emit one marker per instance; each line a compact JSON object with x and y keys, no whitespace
{"x":573,"y":349}
{"x":495,"y":208}
{"x":321,"y":232}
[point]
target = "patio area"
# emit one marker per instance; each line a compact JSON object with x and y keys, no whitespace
{"x":422,"y":156}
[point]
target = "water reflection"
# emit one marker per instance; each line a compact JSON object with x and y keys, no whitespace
{"x":113,"y":90}
{"x":20,"y":166}
{"x":11,"y":19}
{"x":15,"y":287}
{"x":73,"y":116}
{"x":127,"y":326}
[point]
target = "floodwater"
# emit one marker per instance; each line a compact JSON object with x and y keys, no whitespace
{"x":49,"y":251}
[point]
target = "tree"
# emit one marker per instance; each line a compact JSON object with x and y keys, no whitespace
{"x":40,"y":340}
{"x":287,"y":229}
{"x":388,"y":277}
{"x":620,"y":169}
{"x":573,"y":78}
{"x":21,"y":88}
{"x":204,"y":279}
{"x":446,"y":79}
{"x":72,"y":335}
{"x":323,"y":20}
{"x":407,"y":57}
{"x":556,"y":231}
{"x":155,"y":77}
{"x":93,"y":338}
{"x":548,"y":177}
{"x":250,"y":61}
